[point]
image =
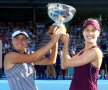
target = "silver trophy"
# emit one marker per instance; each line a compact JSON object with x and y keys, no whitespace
{"x":60,"y":13}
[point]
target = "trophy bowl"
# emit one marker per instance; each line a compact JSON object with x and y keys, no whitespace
{"x":60,"y":13}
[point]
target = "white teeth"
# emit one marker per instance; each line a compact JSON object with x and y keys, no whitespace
{"x":89,"y":37}
{"x":20,"y":45}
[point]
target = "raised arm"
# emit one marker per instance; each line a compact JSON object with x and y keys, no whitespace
{"x":93,"y":56}
{"x":14,"y":57}
{"x":65,"y":53}
{"x":51,"y":59}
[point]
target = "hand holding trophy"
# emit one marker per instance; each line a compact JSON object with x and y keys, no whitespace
{"x":60,"y":13}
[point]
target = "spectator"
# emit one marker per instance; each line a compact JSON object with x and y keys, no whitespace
{"x":102,"y":74}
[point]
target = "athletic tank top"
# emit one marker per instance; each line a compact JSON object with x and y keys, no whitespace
{"x":20,"y":76}
{"x":85,"y":77}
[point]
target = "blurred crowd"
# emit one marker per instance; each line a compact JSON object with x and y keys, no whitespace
{"x":39,"y":37}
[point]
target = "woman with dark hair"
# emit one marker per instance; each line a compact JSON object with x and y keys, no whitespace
{"x":18,"y":64}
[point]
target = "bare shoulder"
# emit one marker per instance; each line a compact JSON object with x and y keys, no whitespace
{"x":10,"y":55}
{"x":98,"y":57}
{"x":98,"y":52}
{"x":94,"y":54}
{"x":7,"y":60}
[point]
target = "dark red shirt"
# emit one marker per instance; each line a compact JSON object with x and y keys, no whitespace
{"x":85,"y":77}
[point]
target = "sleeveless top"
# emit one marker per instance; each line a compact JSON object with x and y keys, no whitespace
{"x":20,"y":76}
{"x":85,"y":77}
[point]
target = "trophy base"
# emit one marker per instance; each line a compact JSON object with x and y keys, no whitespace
{"x":58,"y":24}
{"x":62,"y":27}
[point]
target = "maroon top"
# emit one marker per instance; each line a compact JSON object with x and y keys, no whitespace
{"x":85,"y":77}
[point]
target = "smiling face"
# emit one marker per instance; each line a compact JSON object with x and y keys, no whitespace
{"x":20,"y":42}
{"x":90,"y":34}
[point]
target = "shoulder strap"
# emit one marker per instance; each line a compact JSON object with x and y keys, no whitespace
{"x":92,"y":47}
{"x":13,"y":50}
{"x":81,"y":52}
